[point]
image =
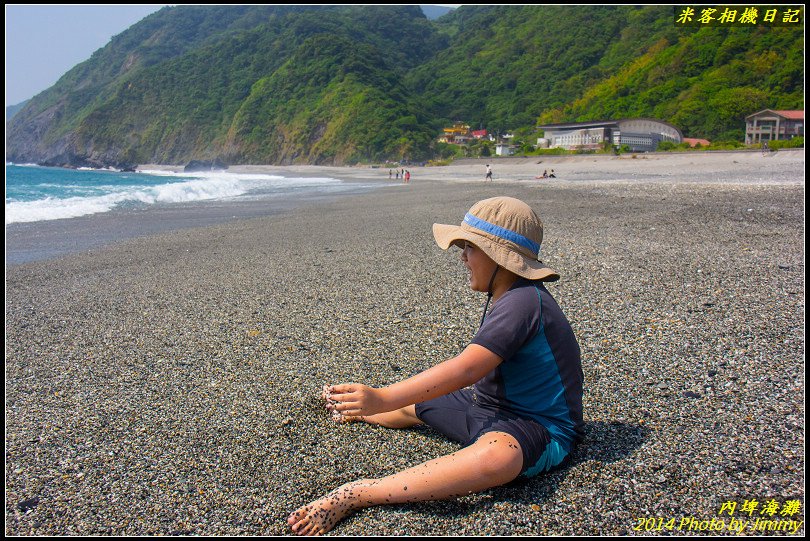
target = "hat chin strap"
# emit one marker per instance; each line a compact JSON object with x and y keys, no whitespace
{"x":489,"y":294}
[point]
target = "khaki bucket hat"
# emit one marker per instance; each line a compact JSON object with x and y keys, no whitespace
{"x":507,"y":230}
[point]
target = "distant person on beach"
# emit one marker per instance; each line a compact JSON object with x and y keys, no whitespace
{"x":523,"y":415}
{"x":489,"y":173}
{"x":552,"y":175}
{"x":407,"y":177}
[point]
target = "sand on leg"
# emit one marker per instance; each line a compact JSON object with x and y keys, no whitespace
{"x":493,"y":460}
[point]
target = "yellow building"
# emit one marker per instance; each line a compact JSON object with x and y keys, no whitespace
{"x":457,"y":135}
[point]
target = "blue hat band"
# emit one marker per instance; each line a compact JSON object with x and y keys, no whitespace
{"x":502,"y":232}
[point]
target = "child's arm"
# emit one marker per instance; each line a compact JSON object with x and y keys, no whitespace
{"x":453,"y":374}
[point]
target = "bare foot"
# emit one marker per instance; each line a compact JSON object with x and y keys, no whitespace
{"x":320,"y":516}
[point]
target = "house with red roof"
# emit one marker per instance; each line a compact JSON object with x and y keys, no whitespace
{"x":771,"y":125}
{"x":695,"y":141}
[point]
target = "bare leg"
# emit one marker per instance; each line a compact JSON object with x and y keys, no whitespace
{"x":493,"y":460}
{"x":401,"y":418}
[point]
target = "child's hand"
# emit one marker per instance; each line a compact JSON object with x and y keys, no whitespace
{"x":326,"y":395}
{"x":354,"y":399}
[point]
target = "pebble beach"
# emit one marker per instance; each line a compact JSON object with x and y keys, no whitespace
{"x":170,"y":384}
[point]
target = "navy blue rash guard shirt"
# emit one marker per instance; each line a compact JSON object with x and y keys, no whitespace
{"x":540,"y":377}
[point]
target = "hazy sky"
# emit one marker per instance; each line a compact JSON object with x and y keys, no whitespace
{"x":43,"y":42}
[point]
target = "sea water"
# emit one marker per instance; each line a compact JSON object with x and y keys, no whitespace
{"x":35,"y":193}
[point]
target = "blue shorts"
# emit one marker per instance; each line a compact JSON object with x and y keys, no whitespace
{"x":459,"y":418}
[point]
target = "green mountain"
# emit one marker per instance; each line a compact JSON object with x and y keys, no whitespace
{"x":342,"y":84}
{"x":510,"y":66}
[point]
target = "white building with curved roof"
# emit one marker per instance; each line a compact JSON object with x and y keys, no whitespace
{"x":639,"y":134}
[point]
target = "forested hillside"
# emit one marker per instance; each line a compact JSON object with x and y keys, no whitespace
{"x":510,"y":66}
{"x":706,"y":83}
{"x":343,"y":84}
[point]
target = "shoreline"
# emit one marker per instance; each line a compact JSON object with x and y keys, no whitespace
{"x":596,"y":167}
{"x":37,"y":241}
{"x":168,"y":384}
{"x":28,"y":242}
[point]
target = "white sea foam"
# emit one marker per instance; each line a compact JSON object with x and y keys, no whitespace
{"x":55,"y":209}
{"x":183,"y":188}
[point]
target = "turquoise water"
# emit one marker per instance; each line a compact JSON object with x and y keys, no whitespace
{"x":36,"y":193}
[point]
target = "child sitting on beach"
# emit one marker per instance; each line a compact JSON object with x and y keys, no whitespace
{"x":523,"y":414}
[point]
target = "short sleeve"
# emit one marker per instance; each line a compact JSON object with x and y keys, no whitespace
{"x":513,"y":320}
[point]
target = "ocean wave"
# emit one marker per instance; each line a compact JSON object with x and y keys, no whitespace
{"x":56,"y":209}
{"x":185,"y":188}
